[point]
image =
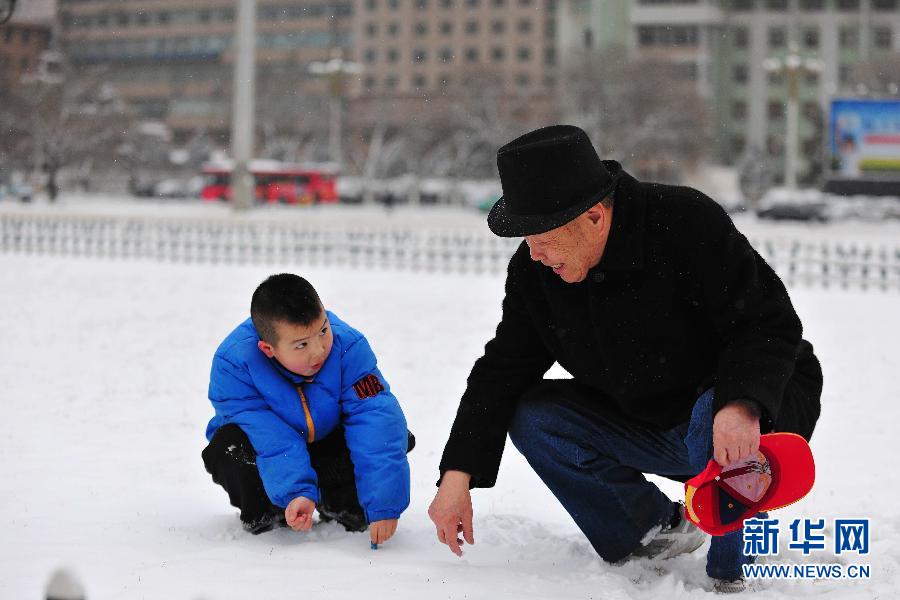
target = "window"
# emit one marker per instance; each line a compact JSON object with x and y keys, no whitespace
{"x":742,"y":5}
{"x":498,"y":53}
{"x":498,"y":26}
{"x":811,"y":38}
{"x":737,"y":145}
{"x":812,"y":5}
{"x":499,"y":3}
{"x":372,"y":4}
{"x":421,"y":4}
{"x":849,"y":38}
{"x":446,"y":28}
{"x":775,"y":78}
{"x":811,"y":110}
{"x":886,"y":5}
{"x":881,"y":37}
{"x":393,"y":28}
{"x":393,"y":55}
{"x":668,"y":35}
{"x":418,"y":81}
{"x":845,"y":73}
{"x":777,"y":5}
{"x":524,"y":53}
{"x":371,"y":55}
{"x":775,"y":110}
{"x":777,"y":37}
{"x":473,"y":3}
{"x":739,"y":109}
{"x":523,"y":80}
{"x":550,"y":29}
{"x":446,"y":55}
{"x":420,"y":55}
{"x":550,"y":56}
{"x":447,"y":3}
{"x":847,"y":5}
{"x":371,"y":29}
{"x":525,"y":26}
{"x":390,"y":82}
{"x":739,"y":74}
{"x":811,"y":78}
{"x":471,"y":27}
{"x":421,"y":28}
{"x":394,"y":4}
{"x":775,"y":145}
{"x":741,"y":37}
{"x":369,"y":82}
{"x":471,"y":55}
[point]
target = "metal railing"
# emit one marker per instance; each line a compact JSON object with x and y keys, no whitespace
{"x":818,"y":263}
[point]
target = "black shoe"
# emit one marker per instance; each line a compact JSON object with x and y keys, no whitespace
{"x":351,"y":520}
{"x":266,"y":523}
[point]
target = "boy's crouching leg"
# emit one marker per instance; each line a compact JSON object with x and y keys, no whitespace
{"x":231,"y":460}
{"x":338,"y":500}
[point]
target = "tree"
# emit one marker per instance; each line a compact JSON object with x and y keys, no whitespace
{"x":62,"y":117}
{"x":640,"y":111}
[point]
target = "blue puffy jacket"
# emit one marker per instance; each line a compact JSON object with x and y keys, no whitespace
{"x":279,"y":411}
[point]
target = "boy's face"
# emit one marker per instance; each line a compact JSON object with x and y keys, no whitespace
{"x":301,"y":349}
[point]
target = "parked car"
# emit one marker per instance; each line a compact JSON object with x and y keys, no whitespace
{"x":806,"y":211}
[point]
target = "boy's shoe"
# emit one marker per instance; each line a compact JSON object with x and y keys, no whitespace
{"x":341,"y":504}
{"x":679,"y":537}
{"x":733,"y":586}
{"x":351,"y":520}
{"x":266,"y":523}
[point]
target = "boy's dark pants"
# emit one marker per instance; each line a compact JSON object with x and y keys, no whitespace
{"x":231,"y":460}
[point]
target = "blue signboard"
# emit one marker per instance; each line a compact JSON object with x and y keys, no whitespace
{"x":865,"y":137}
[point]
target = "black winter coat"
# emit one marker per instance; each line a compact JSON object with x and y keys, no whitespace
{"x":679,"y":302}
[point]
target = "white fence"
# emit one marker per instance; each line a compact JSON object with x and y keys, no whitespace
{"x":831,"y":263}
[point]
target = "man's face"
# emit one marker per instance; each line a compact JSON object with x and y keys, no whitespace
{"x":301,"y":349}
{"x":570,"y":250}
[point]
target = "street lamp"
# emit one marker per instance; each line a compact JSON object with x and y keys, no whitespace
{"x":335,"y":69}
{"x":792,"y":66}
{"x":7,"y":8}
{"x":242,"y":110}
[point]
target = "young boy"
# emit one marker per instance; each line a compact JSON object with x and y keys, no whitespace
{"x":305,"y":420}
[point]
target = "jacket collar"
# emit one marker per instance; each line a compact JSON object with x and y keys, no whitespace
{"x":295,"y":378}
{"x":625,"y":247}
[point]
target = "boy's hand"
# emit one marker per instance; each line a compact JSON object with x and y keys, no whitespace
{"x":299,"y":513}
{"x":381,"y":531}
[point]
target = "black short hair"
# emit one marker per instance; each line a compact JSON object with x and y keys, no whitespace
{"x":283,"y":297}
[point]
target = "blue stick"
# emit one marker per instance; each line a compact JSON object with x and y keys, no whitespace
{"x":374,"y":546}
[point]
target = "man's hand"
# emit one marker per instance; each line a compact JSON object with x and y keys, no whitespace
{"x":381,"y":531}
{"x":299,"y":513}
{"x":735,"y":433}
{"x":451,"y":511}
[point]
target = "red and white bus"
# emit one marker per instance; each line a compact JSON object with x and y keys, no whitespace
{"x":276,"y":182}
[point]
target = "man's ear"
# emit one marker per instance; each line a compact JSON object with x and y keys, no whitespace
{"x":597,"y":213}
{"x":266,"y":348}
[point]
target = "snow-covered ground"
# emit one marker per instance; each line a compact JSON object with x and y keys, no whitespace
{"x":104,"y":368}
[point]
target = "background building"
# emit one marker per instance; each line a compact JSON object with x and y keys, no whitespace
{"x":172,"y":60}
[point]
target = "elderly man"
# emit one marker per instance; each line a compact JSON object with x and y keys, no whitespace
{"x":681,"y":341}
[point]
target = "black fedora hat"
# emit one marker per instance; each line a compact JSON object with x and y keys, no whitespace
{"x":549,"y":176}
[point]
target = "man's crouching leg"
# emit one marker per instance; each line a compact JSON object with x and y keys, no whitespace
{"x":231,"y":460}
{"x":595,"y":467}
{"x":338,"y":500}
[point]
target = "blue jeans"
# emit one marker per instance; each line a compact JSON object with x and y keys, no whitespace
{"x":595,"y":467}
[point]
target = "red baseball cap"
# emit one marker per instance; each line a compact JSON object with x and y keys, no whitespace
{"x":782,"y":473}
